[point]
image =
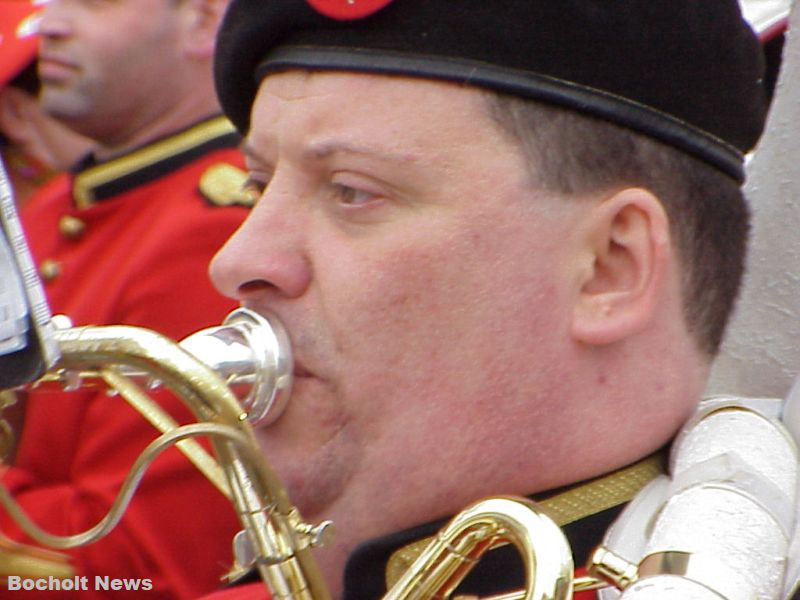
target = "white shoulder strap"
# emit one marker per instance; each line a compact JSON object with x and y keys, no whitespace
{"x":728,"y":507}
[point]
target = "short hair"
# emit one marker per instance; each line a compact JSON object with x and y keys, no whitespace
{"x":573,"y":153}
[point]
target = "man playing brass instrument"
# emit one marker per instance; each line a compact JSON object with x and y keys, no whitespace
{"x":505,"y":239}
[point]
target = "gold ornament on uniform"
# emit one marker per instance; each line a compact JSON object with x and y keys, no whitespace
{"x":224,"y":185}
{"x":87,"y":183}
{"x":49,"y":269}
{"x":71,"y":227}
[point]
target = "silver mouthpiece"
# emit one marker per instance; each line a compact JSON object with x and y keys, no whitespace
{"x":252,"y":353}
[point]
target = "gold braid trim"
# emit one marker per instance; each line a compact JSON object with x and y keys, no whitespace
{"x":86,"y":181}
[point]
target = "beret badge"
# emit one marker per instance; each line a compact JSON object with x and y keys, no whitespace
{"x":346,"y":10}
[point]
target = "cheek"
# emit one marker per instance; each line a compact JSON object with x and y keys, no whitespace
{"x":459,"y":317}
{"x":390,"y":306}
{"x":406,"y":291}
{"x":447,"y":339}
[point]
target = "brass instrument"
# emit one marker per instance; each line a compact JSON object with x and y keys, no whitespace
{"x":273,"y":535}
{"x":459,"y":545}
{"x":250,"y":354}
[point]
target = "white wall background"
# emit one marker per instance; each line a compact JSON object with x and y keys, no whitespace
{"x":761,"y":354}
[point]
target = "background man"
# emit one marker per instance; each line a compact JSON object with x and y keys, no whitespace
{"x":127,"y":238}
{"x":33,"y":145}
{"x":505,"y":239}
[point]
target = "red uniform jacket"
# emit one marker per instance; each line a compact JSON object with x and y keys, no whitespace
{"x":129,"y":242}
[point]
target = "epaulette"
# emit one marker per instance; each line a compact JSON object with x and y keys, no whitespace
{"x":222,"y":184}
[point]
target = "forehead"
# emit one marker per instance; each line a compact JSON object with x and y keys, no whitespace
{"x":131,"y":10}
{"x":396,"y":107}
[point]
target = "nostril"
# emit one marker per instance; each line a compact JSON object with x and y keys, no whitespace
{"x":253,"y":286}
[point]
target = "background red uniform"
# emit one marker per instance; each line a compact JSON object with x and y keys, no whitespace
{"x":134,"y":240}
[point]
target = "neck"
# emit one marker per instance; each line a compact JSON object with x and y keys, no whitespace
{"x":173,"y":111}
{"x":157,"y":128}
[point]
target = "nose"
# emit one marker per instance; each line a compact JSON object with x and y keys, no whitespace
{"x":266,"y":258}
{"x":52,"y":22}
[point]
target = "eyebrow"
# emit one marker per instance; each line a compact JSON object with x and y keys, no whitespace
{"x":326,"y":149}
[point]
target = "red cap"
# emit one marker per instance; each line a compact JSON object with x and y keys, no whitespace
{"x":18,"y":25}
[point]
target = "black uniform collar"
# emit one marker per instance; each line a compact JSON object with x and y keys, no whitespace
{"x":95,"y":181}
{"x":584,"y":511}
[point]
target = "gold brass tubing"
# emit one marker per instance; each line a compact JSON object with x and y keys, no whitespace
{"x":30,"y":561}
{"x":206,"y":395}
{"x":128,"y":488}
{"x":258,"y":495}
{"x":290,"y":571}
{"x":163,"y":422}
{"x":612,"y":568}
{"x":447,"y":560}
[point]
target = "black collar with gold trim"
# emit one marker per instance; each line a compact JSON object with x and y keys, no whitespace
{"x":584,"y":511}
{"x":93,"y":181}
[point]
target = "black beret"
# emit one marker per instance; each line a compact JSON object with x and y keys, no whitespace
{"x":686,"y":72}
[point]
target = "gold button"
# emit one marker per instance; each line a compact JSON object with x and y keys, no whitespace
{"x":71,"y":227}
{"x":49,"y":269}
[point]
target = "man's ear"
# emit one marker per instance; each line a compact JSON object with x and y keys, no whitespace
{"x":204,"y":20}
{"x":15,"y":120}
{"x":627,"y":249}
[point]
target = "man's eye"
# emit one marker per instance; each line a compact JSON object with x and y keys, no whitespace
{"x":352,"y":196}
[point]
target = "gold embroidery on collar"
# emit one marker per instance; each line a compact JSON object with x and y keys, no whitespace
{"x":576,"y":503}
{"x":87,"y":181}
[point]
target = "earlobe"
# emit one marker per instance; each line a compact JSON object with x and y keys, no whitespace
{"x":626,"y":255}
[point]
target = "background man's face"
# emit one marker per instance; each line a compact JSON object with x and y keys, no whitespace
{"x":102,"y":63}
